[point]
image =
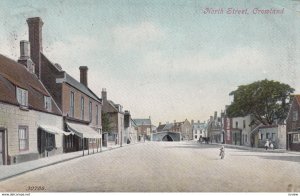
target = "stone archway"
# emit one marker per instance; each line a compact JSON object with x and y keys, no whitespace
{"x":167,"y":138}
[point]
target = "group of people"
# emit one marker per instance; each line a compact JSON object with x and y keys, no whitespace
{"x":269,"y":144}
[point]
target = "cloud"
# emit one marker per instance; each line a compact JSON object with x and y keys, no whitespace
{"x":136,"y":36}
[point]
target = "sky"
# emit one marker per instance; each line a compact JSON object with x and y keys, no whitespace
{"x":164,"y":59}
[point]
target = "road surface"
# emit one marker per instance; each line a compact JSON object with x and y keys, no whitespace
{"x":166,"y":167}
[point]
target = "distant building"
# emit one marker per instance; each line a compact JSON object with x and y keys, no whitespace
{"x":214,"y":129}
{"x":144,"y":128}
{"x":184,"y":128}
{"x":241,"y":130}
{"x":199,"y":130}
{"x":116,"y":118}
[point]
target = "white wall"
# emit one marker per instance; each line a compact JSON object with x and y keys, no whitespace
{"x":245,"y":131}
{"x":11,"y":117}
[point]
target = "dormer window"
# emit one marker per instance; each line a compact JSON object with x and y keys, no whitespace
{"x":22,"y":97}
{"x":47,"y":103}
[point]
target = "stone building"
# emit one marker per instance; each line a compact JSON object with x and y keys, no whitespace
{"x":184,"y":128}
{"x":199,"y":130}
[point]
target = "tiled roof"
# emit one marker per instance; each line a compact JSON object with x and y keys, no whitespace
{"x":13,"y":74}
{"x":139,"y":122}
{"x":297,"y":97}
{"x":74,"y":83}
{"x":70,"y":80}
{"x":160,"y":127}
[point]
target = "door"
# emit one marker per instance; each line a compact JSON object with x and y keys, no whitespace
{"x":1,"y":147}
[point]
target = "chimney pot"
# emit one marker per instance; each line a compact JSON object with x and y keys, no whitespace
{"x":25,"y":56}
{"x":83,"y":75}
{"x":104,"y":94}
{"x":24,"y":49}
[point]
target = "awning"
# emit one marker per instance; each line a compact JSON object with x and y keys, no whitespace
{"x":294,"y":132}
{"x":83,"y":131}
{"x":53,"y":130}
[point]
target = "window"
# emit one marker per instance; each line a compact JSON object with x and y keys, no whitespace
{"x":236,"y":124}
{"x":296,"y":138}
{"x":267,"y":135}
{"x":244,"y":124}
{"x":23,"y":138}
{"x":195,"y":136}
{"x":47,"y":102}
{"x":262,"y":136}
{"x":90,"y":111}
{"x":295,"y":115}
{"x":22,"y":97}
{"x":82,"y":108}
{"x":273,"y":136}
{"x":246,"y":138}
{"x":200,"y":131}
{"x":97,"y":115}
{"x":72,"y":104}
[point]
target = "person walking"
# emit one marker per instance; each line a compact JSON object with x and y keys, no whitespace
{"x":267,"y":144}
{"x":222,"y":152}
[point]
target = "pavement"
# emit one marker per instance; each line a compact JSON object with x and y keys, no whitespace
{"x":9,"y":171}
{"x":252,"y":149}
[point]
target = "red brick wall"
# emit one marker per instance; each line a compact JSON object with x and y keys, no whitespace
{"x":66,"y":94}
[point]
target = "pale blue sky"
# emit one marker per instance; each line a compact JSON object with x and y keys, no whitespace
{"x":164,"y":59}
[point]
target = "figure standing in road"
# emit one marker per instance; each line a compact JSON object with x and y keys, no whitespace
{"x":222,"y":152}
{"x":271,"y":146}
{"x":267,"y":144}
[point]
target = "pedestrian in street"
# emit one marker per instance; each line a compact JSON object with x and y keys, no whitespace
{"x":267,"y":144}
{"x":271,"y":146}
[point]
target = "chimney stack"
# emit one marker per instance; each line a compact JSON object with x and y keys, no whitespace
{"x":104,"y":94}
{"x":198,"y":121}
{"x":83,"y":75}
{"x":215,"y":115}
{"x":25,"y":56}
{"x":35,"y":39}
{"x":192,"y":122}
{"x":159,"y":123}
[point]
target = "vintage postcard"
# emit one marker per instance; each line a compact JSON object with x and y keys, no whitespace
{"x":149,"y":96}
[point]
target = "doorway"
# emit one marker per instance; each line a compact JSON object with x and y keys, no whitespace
{"x":2,"y":148}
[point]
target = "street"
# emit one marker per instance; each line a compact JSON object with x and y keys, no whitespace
{"x":166,"y":167}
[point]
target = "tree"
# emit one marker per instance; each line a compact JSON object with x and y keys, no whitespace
{"x":266,"y":100}
{"x":106,"y":127}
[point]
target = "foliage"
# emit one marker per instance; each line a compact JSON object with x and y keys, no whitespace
{"x":266,"y":100}
{"x":106,"y":127}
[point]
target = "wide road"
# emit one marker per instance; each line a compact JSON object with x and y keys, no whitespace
{"x":167,"y":167}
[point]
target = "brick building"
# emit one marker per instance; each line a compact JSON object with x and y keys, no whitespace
{"x":81,"y":108}
{"x":293,"y":125}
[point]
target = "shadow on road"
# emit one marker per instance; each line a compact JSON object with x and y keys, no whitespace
{"x":274,"y":157}
{"x":198,"y":146}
